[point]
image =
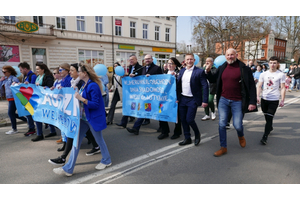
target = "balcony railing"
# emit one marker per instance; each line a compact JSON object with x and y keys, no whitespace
{"x":9,"y":27}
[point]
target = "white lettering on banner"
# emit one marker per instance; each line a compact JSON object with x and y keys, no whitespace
{"x":61,"y":102}
{"x":148,"y":82}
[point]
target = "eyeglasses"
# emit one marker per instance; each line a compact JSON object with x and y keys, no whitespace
{"x":4,"y":72}
{"x":170,"y":63}
{"x":62,"y":69}
{"x":54,"y":73}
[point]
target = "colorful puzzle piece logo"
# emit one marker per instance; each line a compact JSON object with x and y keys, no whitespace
{"x":27,"y":99}
{"x":160,"y":108}
{"x":148,"y":107}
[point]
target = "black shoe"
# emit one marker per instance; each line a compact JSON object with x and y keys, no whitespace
{"x":146,"y":122}
{"x":108,"y":123}
{"x":228,"y":126}
{"x":38,"y":138}
{"x":175,"y":136}
{"x":159,"y":130}
{"x":62,"y":148}
{"x":50,"y":135}
{"x":185,"y":142}
{"x":162,"y":136}
{"x":29,"y":132}
{"x":57,"y":161}
{"x":263,"y":141}
{"x":93,"y":151}
{"x":197,"y":141}
{"x":121,"y":125}
{"x":133,"y":130}
{"x":131,"y":119}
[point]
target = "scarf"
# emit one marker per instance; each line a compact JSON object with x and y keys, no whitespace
{"x":39,"y":79}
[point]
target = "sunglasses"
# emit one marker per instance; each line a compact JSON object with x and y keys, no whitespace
{"x":54,"y":73}
{"x":60,"y":70}
{"x":4,"y":72}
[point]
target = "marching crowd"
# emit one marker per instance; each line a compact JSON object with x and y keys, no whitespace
{"x":238,"y":89}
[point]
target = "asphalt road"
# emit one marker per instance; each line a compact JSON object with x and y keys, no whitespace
{"x":144,"y":159}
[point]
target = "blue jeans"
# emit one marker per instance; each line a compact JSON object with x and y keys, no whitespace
{"x":224,"y":107}
{"x":39,"y":126}
{"x":30,"y":122}
{"x":13,"y":116}
{"x":84,"y":127}
{"x":298,"y":83}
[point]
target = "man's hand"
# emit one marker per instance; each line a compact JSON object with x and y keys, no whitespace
{"x":204,"y":105}
{"x":258,"y":100}
{"x":251,"y":107}
{"x":131,"y":75}
{"x":208,"y":68}
{"x":281,"y":103}
{"x":147,"y":75}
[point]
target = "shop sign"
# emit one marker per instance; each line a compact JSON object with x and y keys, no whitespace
{"x":162,"y":50}
{"x":27,"y":27}
{"x":129,"y":47}
{"x":118,"y":22}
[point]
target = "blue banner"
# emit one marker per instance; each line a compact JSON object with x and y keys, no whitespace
{"x":152,"y":97}
{"x":57,"y":107}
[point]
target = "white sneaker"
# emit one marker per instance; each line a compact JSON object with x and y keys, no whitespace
{"x":102,"y":166}
{"x":206,"y":117}
{"x":213,"y":116}
{"x":12,"y":131}
{"x":61,"y":171}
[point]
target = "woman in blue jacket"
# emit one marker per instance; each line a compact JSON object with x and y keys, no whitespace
{"x":92,"y":116}
{"x":5,"y":83}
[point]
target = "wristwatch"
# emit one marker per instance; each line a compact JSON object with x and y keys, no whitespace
{"x":84,"y":101}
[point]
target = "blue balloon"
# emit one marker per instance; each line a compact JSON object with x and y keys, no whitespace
{"x":100,"y":69}
{"x":219,"y":61}
{"x":17,"y":70}
{"x":119,"y":70}
{"x":197,"y":59}
{"x":286,"y":70}
{"x":154,"y":60}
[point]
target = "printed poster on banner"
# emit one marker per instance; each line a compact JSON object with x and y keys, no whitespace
{"x":9,"y":55}
{"x":152,"y":97}
{"x":57,"y":107}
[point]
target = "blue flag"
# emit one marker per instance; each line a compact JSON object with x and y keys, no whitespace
{"x":152,"y":97}
{"x":57,"y":107}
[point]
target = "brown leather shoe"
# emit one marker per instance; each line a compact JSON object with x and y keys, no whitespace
{"x":222,"y":151}
{"x":242,"y":141}
{"x":59,"y":141}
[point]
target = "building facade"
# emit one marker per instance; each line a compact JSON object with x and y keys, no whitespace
{"x":91,"y":39}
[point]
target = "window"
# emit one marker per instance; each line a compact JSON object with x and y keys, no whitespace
{"x":99,"y":25}
{"x":157,"y":16}
{"x":167,"y":34}
{"x":132,"y":29}
{"x":61,"y":22}
{"x":38,"y":20}
{"x":123,"y":59}
{"x":91,"y":57}
{"x":262,"y":53}
{"x":145,"y":31}
{"x":118,"y":27}
{"x":156,"y":32}
{"x":80,"y":23}
{"x":263,"y":41}
{"x":10,"y":19}
{"x":168,"y":18}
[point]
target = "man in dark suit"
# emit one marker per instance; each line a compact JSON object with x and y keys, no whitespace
{"x":135,"y":69}
{"x":191,"y":82}
{"x":236,"y":92}
{"x":149,"y":69}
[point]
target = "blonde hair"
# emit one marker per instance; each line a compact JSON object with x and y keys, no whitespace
{"x":65,"y":66}
{"x":92,"y":75}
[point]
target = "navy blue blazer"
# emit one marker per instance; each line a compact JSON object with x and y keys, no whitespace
{"x":94,"y":110}
{"x":198,"y":83}
{"x":152,"y":70}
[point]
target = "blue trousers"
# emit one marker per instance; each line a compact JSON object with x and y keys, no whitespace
{"x":13,"y":115}
{"x":84,"y":127}
{"x":224,"y":107}
{"x":187,"y":111}
{"x":39,"y":126}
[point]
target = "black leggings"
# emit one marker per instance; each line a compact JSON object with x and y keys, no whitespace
{"x":269,"y":109}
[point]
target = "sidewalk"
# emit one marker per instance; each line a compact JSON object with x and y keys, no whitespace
{"x":5,"y":121}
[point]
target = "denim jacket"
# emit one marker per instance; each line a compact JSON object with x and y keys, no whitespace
{"x":7,"y":83}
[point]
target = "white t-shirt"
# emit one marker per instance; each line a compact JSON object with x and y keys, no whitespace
{"x":271,"y":84}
